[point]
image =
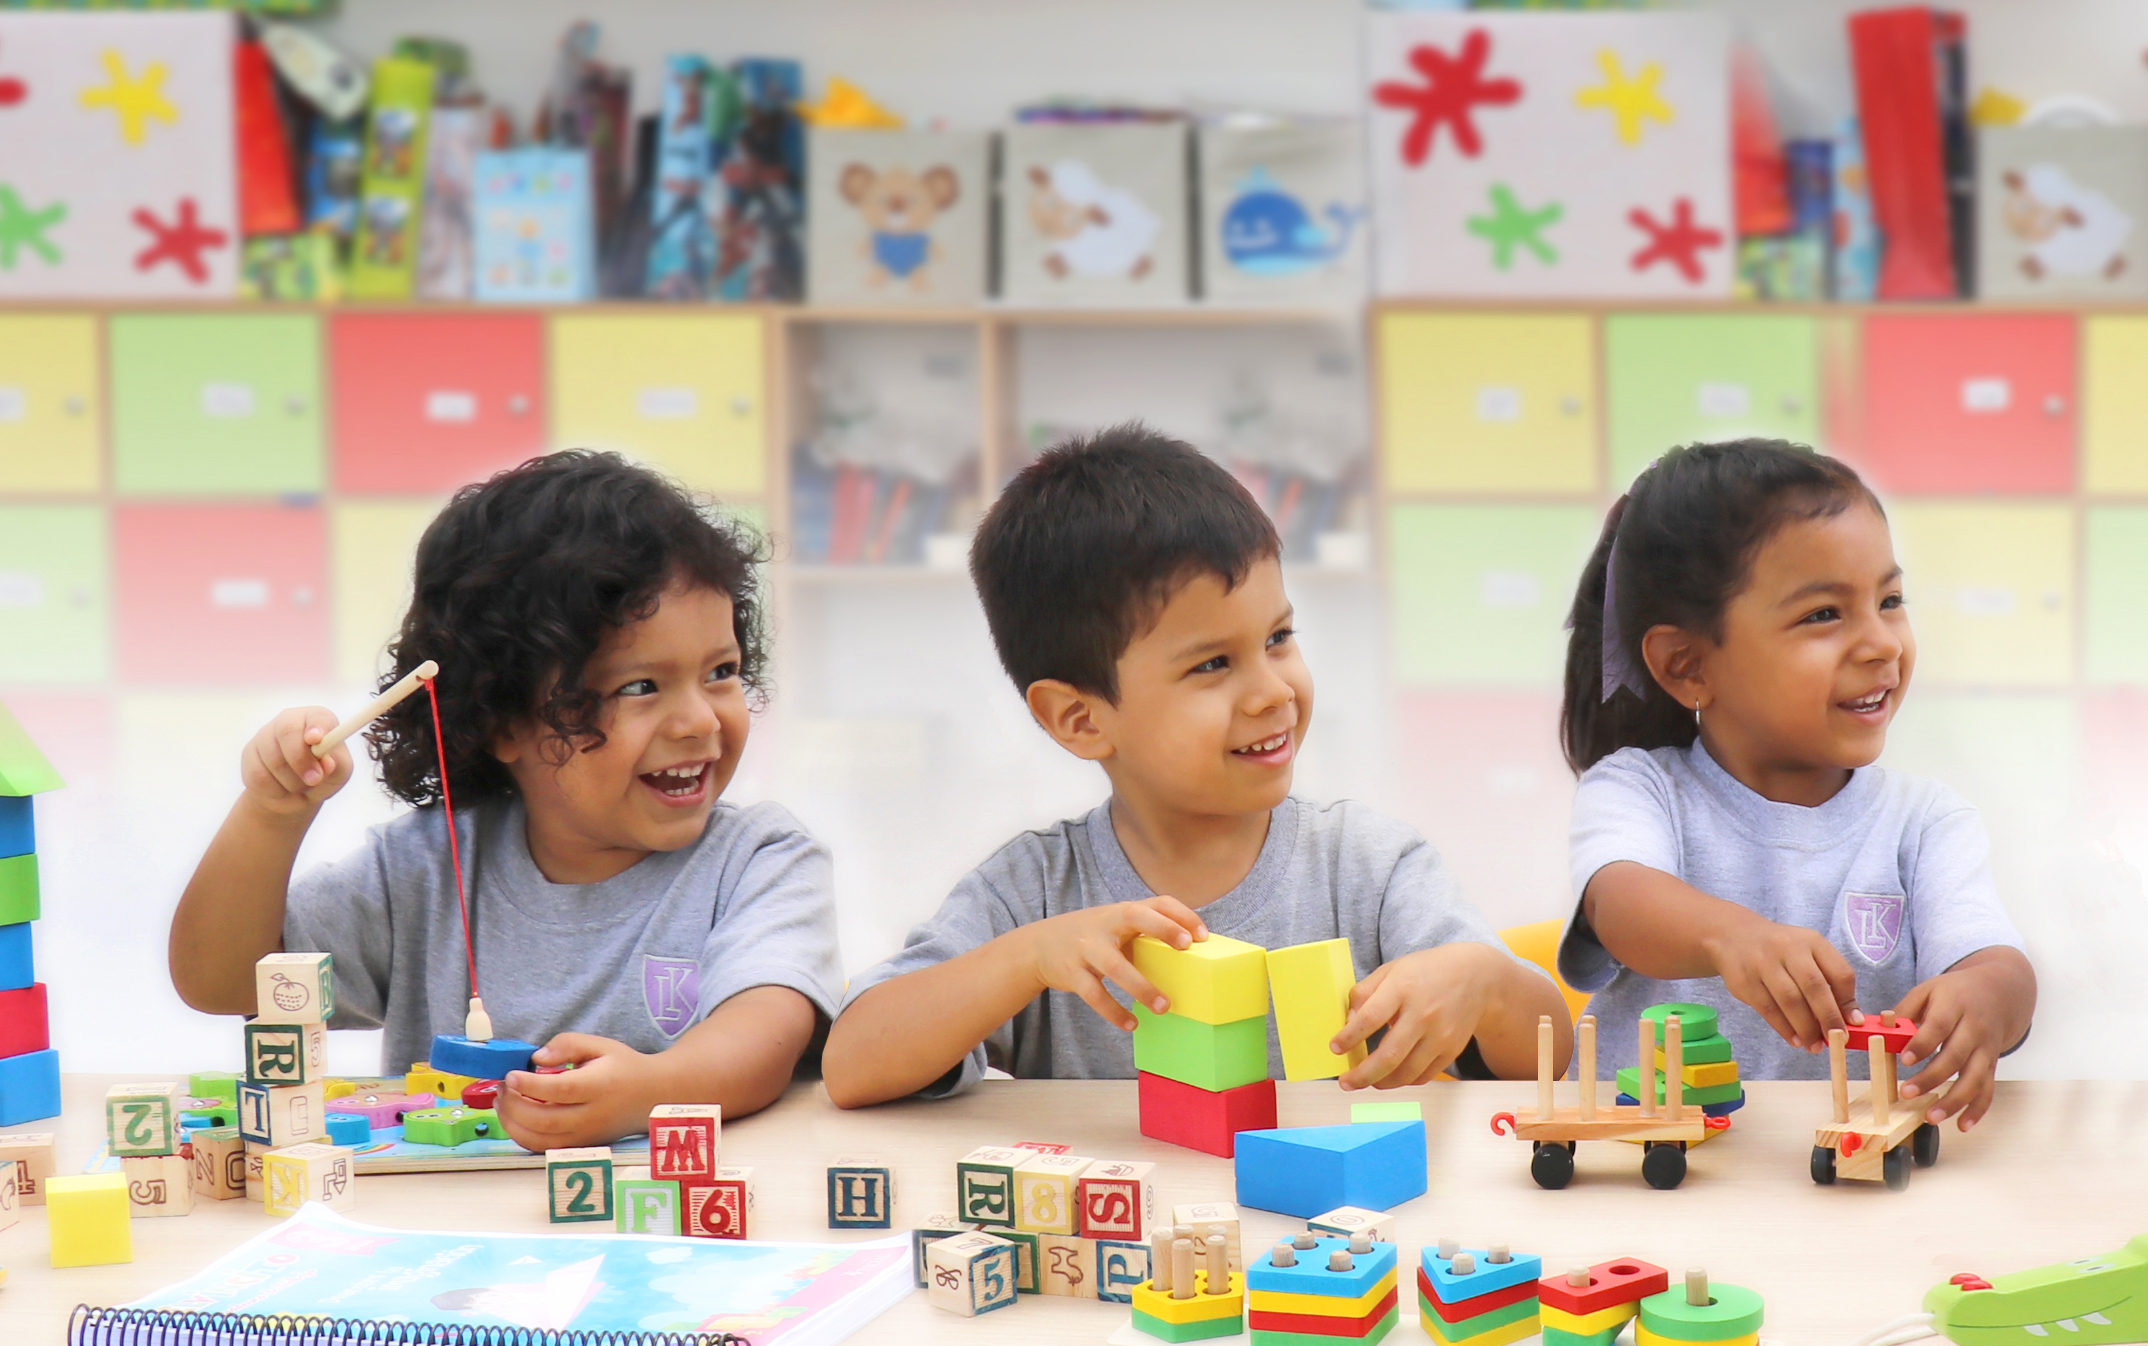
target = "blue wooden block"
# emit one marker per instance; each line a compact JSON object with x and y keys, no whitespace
{"x":1311,"y":1275}
{"x":480,"y":1060}
{"x":18,"y":835}
{"x":1487,"y":1277}
{"x":18,"y":968}
{"x":29,"y":1087}
{"x":1305,"y":1170}
{"x":349,"y":1128}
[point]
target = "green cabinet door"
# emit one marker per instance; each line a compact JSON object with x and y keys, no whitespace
{"x":216,"y":404}
{"x":55,"y":594}
{"x":1479,"y":593}
{"x":2116,"y":602}
{"x":1677,"y":378}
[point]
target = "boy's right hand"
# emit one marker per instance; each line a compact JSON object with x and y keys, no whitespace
{"x":278,"y":767}
{"x":1792,"y":976}
{"x":1081,"y":950}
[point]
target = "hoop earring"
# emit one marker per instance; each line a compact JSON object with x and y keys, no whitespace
{"x":1696,"y":717}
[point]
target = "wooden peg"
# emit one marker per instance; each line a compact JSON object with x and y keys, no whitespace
{"x":1543,"y":1067}
{"x":1674,"y":1073}
{"x":1586,"y":1034}
{"x":1216,"y":1266}
{"x":1578,"y":1277}
{"x":379,"y":706}
{"x":1838,"y":1069}
{"x":1697,"y":1288}
{"x":1886,"y":1019}
{"x":1182,"y":1269}
{"x":1882,"y":1092}
{"x":1160,"y":1261}
{"x":1884,"y":1069}
{"x":1647,"y":1068}
{"x":477,"y":1025}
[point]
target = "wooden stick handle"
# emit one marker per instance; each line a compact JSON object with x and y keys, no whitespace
{"x":1838,"y":1069}
{"x":1674,"y":1068}
{"x":379,"y":706}
{"x":1586,"y":1031}
{"x":1543,"y":1067}
{"x":1647,"y":1070}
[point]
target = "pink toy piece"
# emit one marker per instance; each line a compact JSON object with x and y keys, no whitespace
{"x":381,"y":1110}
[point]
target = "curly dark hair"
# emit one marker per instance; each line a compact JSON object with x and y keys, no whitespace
{"x":516,"y":583}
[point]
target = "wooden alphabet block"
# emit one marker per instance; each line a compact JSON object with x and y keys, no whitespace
{"x":286,"y":1054}
{"x":280,"y":1115}
{"x":1117,"y":1200}
{"x":86,"y":1215}
{"x":722,"y":1209}
{"x":647,"y":1205}
{"x":142,"y":1119}
{"x":1042,"y":1146}
{"x":1212,"y":1217}
{"x":294,"y":988}
{"x":1025,"y":1257}
{"x":1066,"y":1266}
{"x":578,"y":1184}
{"x":1044,"y":1196}
{"x":1310,"y":985}
{"x":1119,"y":1268}
{"x":10,"y":1194}
{"x":423,"y":1079}
{"x":256,"y":1188}
{"x":984,"y":1184}
{"x":310,"y":1171}
{"x":31,"y":1152}
{"x":218,"y":1170}
{"x":159,"y":1185}
{"x":971,"y":1274}
{"x":861,"y":1194}
{"x":685,"y":1141}
{"x":1347,"y":1220}
{"x":937,"y":1226}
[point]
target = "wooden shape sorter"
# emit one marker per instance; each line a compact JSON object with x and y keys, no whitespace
{"x":1550,"y":154}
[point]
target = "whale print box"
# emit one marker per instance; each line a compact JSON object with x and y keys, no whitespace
{"x":1283,"y":218}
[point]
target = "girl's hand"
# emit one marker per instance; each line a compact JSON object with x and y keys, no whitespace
{"x":1429,"y":1002}
{"x":1792,"y":976}
{"x":278,"y":767}
{"x":1081,"y":950}
{"x":595,"y":1103}
{"x":1969,"y":1015}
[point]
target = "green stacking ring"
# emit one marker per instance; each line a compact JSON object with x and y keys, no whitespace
{"x":1695,"y":1022}
{"x":1732,"y":1312}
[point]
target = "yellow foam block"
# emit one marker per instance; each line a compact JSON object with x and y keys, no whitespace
{"x":1704,"y":1077}
{"x":1276,"y":1301}
{"x":1310,"y":984}
{"x":1643,"y":1337}
{"x":88,"y":1217}
{"x":1201,"y":1308}
{"x":1588,"y":1324}
{"x":1217,"y":980}
{"x":1498,"y":1336}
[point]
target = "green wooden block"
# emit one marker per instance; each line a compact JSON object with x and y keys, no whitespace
{"x":450,"y":1126}
{"x":1214,"y":1057}
{"x":1732,"y":1311}
{"x":18,"y":889}
{"x":1678,"y":378}
{"x":1387,"y":1112}
{"x":1706,"y":1052}
{"x":1696,"y":1023}
{"x":646,"y":1206}
{"x":221,"y":1084}
{"x":1201,"y":1331}
{"x":1629,"y":1084}
{"x":1028,"y":1271}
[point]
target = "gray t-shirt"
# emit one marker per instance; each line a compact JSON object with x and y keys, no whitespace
{"x":1894,"y":870}
{"x":640,"y":957}
{"x":1324,"y":872}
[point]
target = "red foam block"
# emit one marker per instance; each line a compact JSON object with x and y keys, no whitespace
{"x":1621,"y":1281}
{"x":1202,"y":1119}
{"x":24,"y":1026}
{"x":1890,"y":1039}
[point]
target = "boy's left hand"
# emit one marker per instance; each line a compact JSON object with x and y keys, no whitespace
{"x":1428,"y":1001}
{"x":593,"y":1104}
{"x":1970,"y":1015}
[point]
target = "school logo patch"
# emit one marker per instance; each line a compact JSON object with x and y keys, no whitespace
{"x":671,"y":988}
{"x":1875,"y":921}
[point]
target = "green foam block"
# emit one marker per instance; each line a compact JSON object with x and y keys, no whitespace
{"x":1230,"y":1325}
{"x":1387,"y":1112}
{"x":1214,"y":1057}
{"x":1629,"y":1084}
{"x":1379,"y":1330}
{"x":18,"y":889}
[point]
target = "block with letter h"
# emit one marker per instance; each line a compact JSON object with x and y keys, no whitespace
{"x":861,"y":1194}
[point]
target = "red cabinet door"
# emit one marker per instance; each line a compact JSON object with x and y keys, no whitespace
{"x":222,"y":593}
{"x":425,"y":403}
{"x":1968,"y":403}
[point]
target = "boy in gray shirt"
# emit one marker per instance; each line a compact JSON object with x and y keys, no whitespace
{"x":1135,"y":595}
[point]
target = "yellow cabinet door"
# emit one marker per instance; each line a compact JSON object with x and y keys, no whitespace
{"x":51,"y":407}
{"x":1991,"y":591}
{"x":1488,"y":404}
{"x":372,"y":548}
{"x":683,"y":392}
{"x":2114,"y":406}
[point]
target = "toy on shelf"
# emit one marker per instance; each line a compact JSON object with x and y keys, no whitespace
{"x":1176,"y":1305}
{"x":1589,"y":1305}
{"x":1477,"y":1296}
{"x":2095,"y":1301}
{"x":1203,"y":1066}
{"x":1323,"y":1288}
{"x":1866,"y":1138}
{"x":29,"y":1068}
{"x":1555,"y":1132}
{"x":1698,"y":1314}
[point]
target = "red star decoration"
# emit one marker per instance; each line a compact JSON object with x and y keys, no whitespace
{"x":182,"y":242}
{"x":1677,"y":242}
{"x":1453,"y":87}
{"x":12,"y":91}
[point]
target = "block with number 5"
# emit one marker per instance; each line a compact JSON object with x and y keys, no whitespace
{"x":1117,"y":1200}
{"x":970,"y":1274}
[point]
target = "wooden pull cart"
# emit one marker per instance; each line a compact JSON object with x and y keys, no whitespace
{"x":1663,"y":1133}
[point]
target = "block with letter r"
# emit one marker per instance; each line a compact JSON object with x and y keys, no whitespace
{"x":984,"y":1184}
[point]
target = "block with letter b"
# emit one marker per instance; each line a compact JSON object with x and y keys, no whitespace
{"x":861,"y":1194}
{"x":684,"y":1141}
{"x":294,"y":988}
{"x":578,"y":1184}
{"x":984,"y":1184}
{"x":142,"y":1120}
{"x":971,"y":1274}
{"x":286,"y":1053}
{"x":1117,"y":1199}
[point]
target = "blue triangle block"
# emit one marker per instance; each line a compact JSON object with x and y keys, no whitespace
{"x":1488,"y":1276}
{"x":1305,"y":1170}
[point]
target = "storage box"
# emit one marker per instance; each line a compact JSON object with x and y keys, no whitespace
{"x":1283,"y":212}
{"x":1094,"y":215}
{"x":900,"y":218}
{"x":2061,"y":212}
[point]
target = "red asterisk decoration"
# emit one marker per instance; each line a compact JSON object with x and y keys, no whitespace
{"x":12,"y":91}
{"x":1453,"y":87}
{"x":1677,"y":242}
{"x":181,"y":242}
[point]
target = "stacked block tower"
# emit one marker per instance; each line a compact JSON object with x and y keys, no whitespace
{"x":685,"y":1189}
{"x":1079,"y":1227}
{"x":1710,"y":1073}
{"x":1172,"y":1305}
{"x":1204,"y":1065}
{"x":282,"y":1101}
{"x":1477,"y":1296}
{"x":29,"y":1068}
{"x":1313,"y":1289}
{"x":1589,"y":1306}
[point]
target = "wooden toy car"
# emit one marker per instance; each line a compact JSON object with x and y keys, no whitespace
{"x":1664,"y":1134}
{"x":1867,"y":1138}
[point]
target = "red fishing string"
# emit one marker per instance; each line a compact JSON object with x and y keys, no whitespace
{"x":454,"y":846}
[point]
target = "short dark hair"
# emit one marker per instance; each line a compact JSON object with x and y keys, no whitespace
{"x":1683,"y":537}
{"x":516,"y":583}
{"x":1088,"y":541}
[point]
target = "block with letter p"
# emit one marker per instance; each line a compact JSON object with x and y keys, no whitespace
{"x":1117,"y":1199}
{"x":1119,"y":1268}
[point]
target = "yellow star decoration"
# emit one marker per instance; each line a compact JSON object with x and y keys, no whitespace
{"x":1629,"y":100}
{"x":135,"y":100}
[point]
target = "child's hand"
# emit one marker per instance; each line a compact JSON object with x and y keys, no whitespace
{"x":1969,"y":1015}
{"x":1081,"y":950}
{"x":593,"y":1104}
{"x":1797,"y":981}
{"x":1429,"y":1002}
{"x":278,"y":767}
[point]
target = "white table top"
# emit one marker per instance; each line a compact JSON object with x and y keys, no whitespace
{"x":2055,"y":1172}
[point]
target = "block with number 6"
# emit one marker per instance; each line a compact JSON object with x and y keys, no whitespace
{"x":578,"y":1184}
{"x":970,"y":1274}
{"x":1117,"y":1200}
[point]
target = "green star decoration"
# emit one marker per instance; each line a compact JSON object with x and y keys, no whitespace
{"x":1509,"y":226}
{"x":21,"y":227}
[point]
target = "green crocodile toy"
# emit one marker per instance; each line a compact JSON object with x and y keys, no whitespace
{"x":450,"y":1126}
{"x":2097,"y":1301}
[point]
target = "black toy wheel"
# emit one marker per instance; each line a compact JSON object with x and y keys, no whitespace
{"x":1895,"y":1168}
{"x":1924,"y":1145}
{"x":1552,"y":1165}
{"x":1663,"y":1165}
{"x":1823,"y":1164}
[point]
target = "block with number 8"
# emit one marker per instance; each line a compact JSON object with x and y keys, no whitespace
{"x":1044,"y":1193}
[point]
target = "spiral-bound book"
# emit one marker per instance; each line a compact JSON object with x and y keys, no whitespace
{"x":319,"y":1279}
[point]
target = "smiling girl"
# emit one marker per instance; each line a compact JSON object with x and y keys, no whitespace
{"x":1740,"y":644}
{"x":599,"y":642}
